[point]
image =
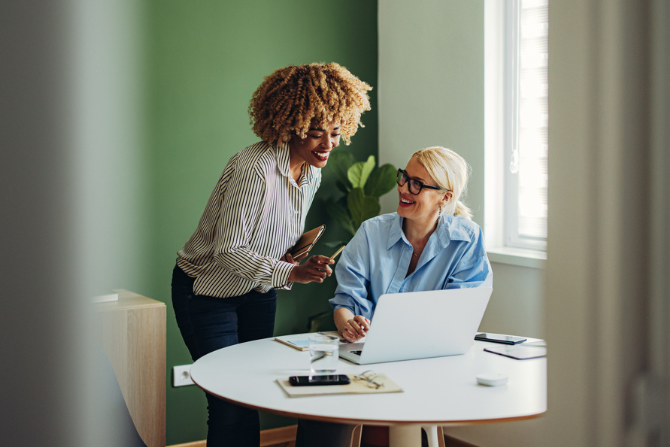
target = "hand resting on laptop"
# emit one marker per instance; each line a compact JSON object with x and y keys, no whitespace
{"x":353,"y":327}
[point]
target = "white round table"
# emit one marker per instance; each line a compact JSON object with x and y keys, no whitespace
{"x":437,"y":391}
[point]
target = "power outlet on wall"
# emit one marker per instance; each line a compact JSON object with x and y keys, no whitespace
{"x":181,"y":375}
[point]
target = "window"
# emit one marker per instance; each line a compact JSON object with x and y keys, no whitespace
{"x":516,"y":123}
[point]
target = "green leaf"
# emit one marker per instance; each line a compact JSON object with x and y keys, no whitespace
{"x":381,"y":181}
{"x":358,"y":173}
{"x":340,"y":214}
{"x":361,"y":207}
{"x":339,"y":162}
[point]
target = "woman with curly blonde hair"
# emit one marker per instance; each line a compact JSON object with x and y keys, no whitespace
{"x":224,"y":284}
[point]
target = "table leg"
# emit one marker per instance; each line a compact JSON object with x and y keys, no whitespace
{"x":433,"y":435}
{"x":405,"y":436}
{"x":356,"y":436}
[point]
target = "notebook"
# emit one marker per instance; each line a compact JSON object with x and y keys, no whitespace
{"x":301,"y":341}
{"x":417,"y":325}
{"x":518,"y":352}
{"x":307,"y":241}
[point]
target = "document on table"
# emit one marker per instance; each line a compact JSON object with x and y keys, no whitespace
{"x":518,"y":352}
{"x":301,"y":341}
{"x":355,"y":387}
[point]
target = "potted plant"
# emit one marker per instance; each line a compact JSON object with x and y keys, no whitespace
{"x":359,"y":187}
{"x":361,"y":184}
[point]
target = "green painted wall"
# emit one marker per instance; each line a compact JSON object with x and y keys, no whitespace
{"x":205,"y":59}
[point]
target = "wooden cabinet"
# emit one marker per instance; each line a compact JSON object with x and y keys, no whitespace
{"x":133,"y":337}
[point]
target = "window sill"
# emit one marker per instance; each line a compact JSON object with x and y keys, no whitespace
{"x":518,"y":256}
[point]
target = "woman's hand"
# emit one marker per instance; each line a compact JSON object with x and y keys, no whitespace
{"x":316,"y":269}
{"x":351,"y":328}
{"x":356,"y":328}
{"x":295,"y":261}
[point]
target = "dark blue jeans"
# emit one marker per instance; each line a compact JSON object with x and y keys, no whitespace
{"x":207,"y":324}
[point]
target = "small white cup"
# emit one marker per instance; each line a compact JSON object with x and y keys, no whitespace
{"x":324,"y":352}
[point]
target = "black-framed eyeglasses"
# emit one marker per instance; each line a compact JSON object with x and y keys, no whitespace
{"x":415,"y":186}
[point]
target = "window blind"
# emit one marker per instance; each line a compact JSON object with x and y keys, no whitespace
{"x":532,"y":119}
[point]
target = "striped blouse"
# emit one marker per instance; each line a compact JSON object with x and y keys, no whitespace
{"x":255,"y":214}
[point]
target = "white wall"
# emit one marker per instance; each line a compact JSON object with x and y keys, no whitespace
{"x":601,"y":303}
{"x":431,"y":85}
{"x":431,"y":92}
{"x":607,"y":289}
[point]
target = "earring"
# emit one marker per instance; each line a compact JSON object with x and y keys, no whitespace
{"x":439,"y":212}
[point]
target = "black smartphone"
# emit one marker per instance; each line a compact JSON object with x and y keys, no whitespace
{"x":332,"y":379}
{"x":500,"y":338}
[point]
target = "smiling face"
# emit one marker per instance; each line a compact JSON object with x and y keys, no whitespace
{"x":316,"y":147}
{"x":424,"y":206}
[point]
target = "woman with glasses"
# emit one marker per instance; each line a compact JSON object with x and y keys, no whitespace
{"x":224,"y":284}
{"x":429,"y":243}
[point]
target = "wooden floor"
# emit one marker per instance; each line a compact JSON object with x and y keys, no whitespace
{"x":204,"y":444}
{"x":379,"y":437}
{"x":276,"y":437}
{"x":285,"y":437}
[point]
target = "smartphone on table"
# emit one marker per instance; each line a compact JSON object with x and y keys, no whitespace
{"x":330,"y":379}
{"x":500,"y":338}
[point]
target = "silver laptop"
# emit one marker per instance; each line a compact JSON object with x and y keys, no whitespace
{"x":418,"y":325}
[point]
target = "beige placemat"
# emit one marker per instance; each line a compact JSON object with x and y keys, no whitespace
{"x":355,"y":387}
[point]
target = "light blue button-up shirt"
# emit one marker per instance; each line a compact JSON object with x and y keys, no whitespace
{"x":376,"y":261}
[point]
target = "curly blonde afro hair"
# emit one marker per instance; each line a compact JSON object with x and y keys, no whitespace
{"x":290,"y":98}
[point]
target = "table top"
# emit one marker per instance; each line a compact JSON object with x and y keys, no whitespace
{"x":441,"y":390}
{"x":127,"y":300}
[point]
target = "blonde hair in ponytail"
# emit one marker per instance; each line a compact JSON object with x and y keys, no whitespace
{"x":450,"y":171}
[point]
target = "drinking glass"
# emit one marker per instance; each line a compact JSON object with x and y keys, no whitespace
{"x":324,"y":351}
